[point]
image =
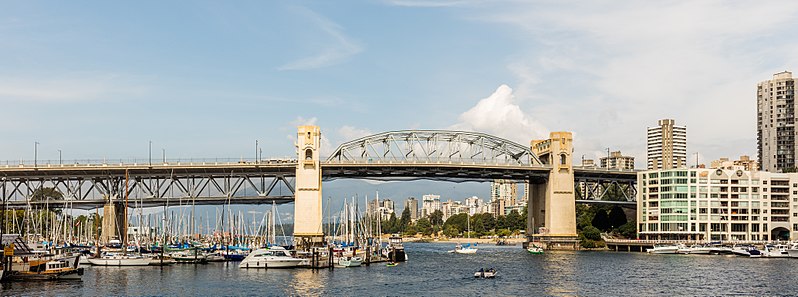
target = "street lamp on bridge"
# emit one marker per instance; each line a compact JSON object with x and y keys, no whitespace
{"x":35,"y":154}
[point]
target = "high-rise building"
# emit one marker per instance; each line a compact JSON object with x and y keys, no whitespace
{"x":429,"y":204}
{"x":776,"y":142}
{"x":667,"y":145}
{"x":504,"y":189}
{"x":412,"y":203}
{"x":618,"y":161}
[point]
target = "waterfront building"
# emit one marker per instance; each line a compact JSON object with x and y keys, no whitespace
{"x":744,"y":163}
{"x":666,"y":145}
{"x":450,"y":208}
{"x":717,"y":204}
{"x":429,"y":204}
{"x":776,"y":141}
{"x":412,"y":203}
{"x":588,"y":163}
{"x":618,"y":161}
{"x":497,"y":207}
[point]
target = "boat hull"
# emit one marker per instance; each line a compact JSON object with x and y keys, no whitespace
{"x":120,"y":262}
{"x":287,"y":263}
{"x":71,"y":274}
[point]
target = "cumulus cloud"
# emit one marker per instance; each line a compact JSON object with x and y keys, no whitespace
{"x":500,"y":115}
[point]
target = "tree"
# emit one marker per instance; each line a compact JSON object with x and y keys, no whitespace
{"x":591,"y":233}
{"x":450,"y":231}
{"x":514,"y":221}
{"x":436,"y":218}
{"x":601,"y":220}
{"x":424,"y":226}
{"x":628,"y":230}
{"x":404,"y":222}
{"x":391,"y":226}
{"x":457,"y":221}
{"x":46,"y":193}
{"x":617,"y":217}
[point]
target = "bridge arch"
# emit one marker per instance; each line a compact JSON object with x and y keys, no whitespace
{"x":434,"y":146}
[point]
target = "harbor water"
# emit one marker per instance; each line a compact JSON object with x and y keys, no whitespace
{"x":431,"y":271}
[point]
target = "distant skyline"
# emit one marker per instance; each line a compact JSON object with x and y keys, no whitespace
{"x":205,"y":79}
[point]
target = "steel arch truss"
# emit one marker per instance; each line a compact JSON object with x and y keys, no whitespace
{"x":148,"y":190}
{"x":434,"y":146}
{"x":606,"y":189}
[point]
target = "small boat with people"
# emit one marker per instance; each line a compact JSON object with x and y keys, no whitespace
{"x":485,"y":273}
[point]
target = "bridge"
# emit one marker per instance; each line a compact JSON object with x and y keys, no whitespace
{"x":397,"y":155}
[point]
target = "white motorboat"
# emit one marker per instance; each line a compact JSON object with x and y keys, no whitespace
{"x":746,"y":251}
{"x":350,"y":261}
{"x":119,"y":259}
{"x":775,"y":251}
{"x":274,"y":257}
{"x":698,"y":249}
{"x":665,"y":248}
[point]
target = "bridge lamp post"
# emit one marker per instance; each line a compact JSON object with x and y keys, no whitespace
{"x":150,"y":153}
{"x":256,"y":151}
{"x":35,"y":154}
{"x":163,"y":151}
{"x":60,"y":160}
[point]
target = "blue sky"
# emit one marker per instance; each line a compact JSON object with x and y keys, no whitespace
{"x":99,"y":79}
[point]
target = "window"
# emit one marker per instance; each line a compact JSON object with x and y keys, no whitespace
{"x":562,"y":159}
{"x":308,"y":154}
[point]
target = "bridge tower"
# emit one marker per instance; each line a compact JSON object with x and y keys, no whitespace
{"x":307,"y":202}
{"x":552,"y":211}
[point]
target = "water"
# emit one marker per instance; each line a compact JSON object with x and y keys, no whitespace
{"x":432,"y":271}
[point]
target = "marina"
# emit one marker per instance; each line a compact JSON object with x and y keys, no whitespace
{"x":430,"y":270}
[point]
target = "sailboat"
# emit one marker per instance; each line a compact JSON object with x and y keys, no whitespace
{"x":465,"y":249}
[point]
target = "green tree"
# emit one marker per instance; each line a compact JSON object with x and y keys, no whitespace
{"x":404,"y":222}
{"x":46,"y":193}
{"x":458,"y":221}
{"x":450,"y":231}
{"x":391,"y":226}
{"x":601,"y":220}
{"x":424,"y":226}
{"x":436,"y":218}
{"x":591,"y":233}
{"x":514,"y":221}
{"x":628,"y":230}
{"x":616,"y":217}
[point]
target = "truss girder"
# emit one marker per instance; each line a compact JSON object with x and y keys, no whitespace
{"x":434,"y":146}
{"x":601,"y":188}
{"x":149,"y":189}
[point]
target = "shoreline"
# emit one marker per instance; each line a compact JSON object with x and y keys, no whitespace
{"x":463,"y":240}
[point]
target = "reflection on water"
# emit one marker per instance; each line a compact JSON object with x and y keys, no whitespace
{"x":433,"y":272}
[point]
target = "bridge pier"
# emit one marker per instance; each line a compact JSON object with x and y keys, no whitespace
{"x":307,"y":202}
{"x":554,"y":202}
{"x":114,"y":222}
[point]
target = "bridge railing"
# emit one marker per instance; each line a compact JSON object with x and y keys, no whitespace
{"x":603,"y":169}
{"x":139,"y":162}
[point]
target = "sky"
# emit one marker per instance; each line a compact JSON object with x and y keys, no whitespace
{"x":207,"y":79}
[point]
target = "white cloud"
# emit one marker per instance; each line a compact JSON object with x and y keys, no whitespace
{"x":341,"y":48}
{"x":499,"y":115}
{"x":73,"y":87}
{"x":608,"y":70}
{"x":349,"y":133}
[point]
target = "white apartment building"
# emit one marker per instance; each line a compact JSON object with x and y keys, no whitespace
{"x":717,"y":204}
{"x":666,"y":145}
{"x":776,"y":141}
{"x":429,"y":204}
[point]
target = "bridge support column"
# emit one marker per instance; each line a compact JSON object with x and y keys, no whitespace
{"x":307,"y":198}
{"x":559,"y":206}
{"x":114,"y":222}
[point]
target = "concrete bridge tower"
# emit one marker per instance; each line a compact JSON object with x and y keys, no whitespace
{"x":552,"y":211}
{"x":307,"y":203}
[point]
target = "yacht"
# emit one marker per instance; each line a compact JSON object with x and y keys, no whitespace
{"x":395,"y":251}
{"x":793,"y":251}
{"x":665,"y":248}
{"x":119,"y":259}
{"x":274,"y":257}
{"x":189,"y":257}
{"x":775,"y":251}
{"x":50,"y":269}
{"x":746,"y":251}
